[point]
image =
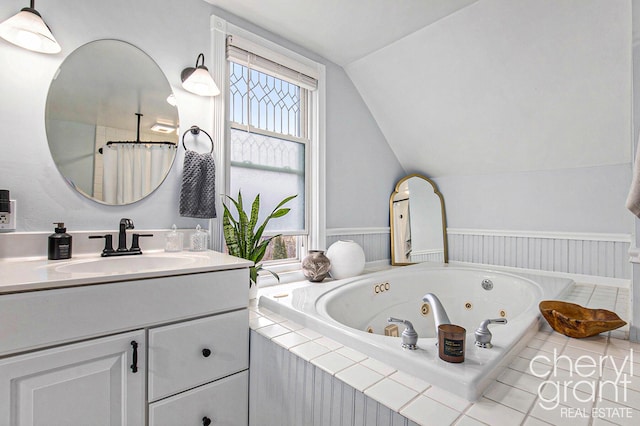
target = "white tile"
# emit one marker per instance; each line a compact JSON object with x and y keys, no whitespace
{"x":510,"y":396}
{"x":290,"y":340}
{"x":597,"y":344}
{"x":410,"y":381}
{"x":566,"y":395}
{"x":620,"y":394}
{"x":293,"y":326}
{"x":351,"y":353}
{"x":359,"y":377}
{"x":310,"y":334}
{"x":447,"y":398}
{"x":617,"y":413}
{"x":560,"y":415}
{"x":532,"y":421}
{"x":329,"y":343}
{"x":256,"y":323}
{"x":378,"y":366}
{"x":253,"y":314}
{"x":426,"y":411}
{"x":309,"y":350}
{"x":468,"y":421}
{"x":332,"y":362}
{"x":493,"y":413}
{"x":579,"y":348}
{"x":271,"y":331}
{"x":391,"y":394}
{"x":520,"y":380}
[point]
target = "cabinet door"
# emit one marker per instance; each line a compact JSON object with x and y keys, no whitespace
{"x":88,"y":383}
{"x":221,"y":403}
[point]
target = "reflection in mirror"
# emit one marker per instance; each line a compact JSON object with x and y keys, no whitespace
{"x":418,"y":222}
{"x":91,"y":109}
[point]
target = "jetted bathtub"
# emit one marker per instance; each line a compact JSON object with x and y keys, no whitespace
{"x":354,"y":312}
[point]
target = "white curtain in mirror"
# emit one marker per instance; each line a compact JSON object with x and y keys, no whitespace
{"x":132,"y":171}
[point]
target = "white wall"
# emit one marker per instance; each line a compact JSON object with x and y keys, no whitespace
{"x":172,"y":33}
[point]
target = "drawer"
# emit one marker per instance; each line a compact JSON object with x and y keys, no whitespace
{"x":185,"y":355}
{"x":224,"y":402}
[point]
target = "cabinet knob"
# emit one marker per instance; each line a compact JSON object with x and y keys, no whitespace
{"x":206,"y":421}
{"x":206,"y":352}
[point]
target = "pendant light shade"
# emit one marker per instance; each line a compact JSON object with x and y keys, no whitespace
{"x":198,"y":80}
{"x":27,"y":30}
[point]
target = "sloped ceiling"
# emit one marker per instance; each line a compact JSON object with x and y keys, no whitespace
{"x":342,"y":30}
{"x":497,"y":86}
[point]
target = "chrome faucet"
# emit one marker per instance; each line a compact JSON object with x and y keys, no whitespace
{"x":439,"y":314}
{"x":122,"y":234}
{"x":483,"y":335}
{"x":409,"y":335}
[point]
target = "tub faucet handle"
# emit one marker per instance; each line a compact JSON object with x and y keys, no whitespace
{"x":483,"y":335}
{"x":409,"y":335}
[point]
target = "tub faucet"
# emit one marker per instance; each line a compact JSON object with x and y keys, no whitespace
{"x":483,"y":335}
{"x":122,"y":235}
{"x":439,"y":314}
{"x":409,"y":335}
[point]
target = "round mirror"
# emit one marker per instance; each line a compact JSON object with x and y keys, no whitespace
{"x":111,"y":122}
{"x":418,"y":222}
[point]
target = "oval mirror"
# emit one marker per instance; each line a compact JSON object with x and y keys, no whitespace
{"x":418,"y":222}
{"x":112,"y":132}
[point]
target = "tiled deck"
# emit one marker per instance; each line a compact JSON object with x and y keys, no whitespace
{"x":584,"y":384}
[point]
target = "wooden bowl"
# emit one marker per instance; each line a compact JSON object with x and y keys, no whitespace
{"x":577,"y":321}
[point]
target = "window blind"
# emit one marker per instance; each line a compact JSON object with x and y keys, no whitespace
{"x":255,"y":57}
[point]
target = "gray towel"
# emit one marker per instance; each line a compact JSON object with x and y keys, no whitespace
{"x":198,"y":191}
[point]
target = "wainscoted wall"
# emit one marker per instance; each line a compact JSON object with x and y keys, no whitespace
{"x":289,"y":391}
{"x":592,"y":254}
{"x":375,"y":242}
{"x":602,"y":255}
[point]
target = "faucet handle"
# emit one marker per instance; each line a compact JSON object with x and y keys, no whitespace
{"x":409,"y":335}
{"x":108,"y":243}
{"x":483,"y":335}
{"x":135,"y":243}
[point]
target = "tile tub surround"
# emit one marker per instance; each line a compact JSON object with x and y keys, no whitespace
{"x":518,"y":396}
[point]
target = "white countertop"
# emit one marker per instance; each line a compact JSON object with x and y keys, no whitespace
{"x":17,"y":275}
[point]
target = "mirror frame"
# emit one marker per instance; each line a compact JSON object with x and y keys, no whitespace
{"x":442,"y":210}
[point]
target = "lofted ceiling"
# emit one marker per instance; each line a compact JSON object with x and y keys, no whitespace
{"x":342,"y":30}
{"x":497,"y":86}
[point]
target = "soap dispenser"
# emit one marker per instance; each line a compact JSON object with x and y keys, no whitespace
{"x":59,"y":243}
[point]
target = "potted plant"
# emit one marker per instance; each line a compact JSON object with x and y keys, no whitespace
{"x":243,"y":239}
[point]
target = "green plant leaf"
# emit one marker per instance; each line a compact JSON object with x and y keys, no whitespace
{"x":280,"y":213}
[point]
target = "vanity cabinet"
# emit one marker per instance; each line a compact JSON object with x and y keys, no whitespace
{"x":86,"y":383}
{"x":67,"y":358}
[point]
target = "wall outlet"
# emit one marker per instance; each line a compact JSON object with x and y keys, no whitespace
{"x":8,"y":220}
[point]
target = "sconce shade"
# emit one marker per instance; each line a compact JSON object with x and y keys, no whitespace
{"x":198,"y":80}
{"x":27,"y":30}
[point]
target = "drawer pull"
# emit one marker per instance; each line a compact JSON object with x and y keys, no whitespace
{"x":206,"y":352}
{"x":206,"y":421}
{"x":134,"y":365}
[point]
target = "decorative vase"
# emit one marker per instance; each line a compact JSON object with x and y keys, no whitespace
{"x":347,"y":259}
{"x":316,"y":266}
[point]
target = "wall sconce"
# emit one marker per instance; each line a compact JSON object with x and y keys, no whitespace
{"x":28,"y":30}
{"x":198,"y":80}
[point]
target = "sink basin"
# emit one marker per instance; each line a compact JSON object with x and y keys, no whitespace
{"x":125,"y":264}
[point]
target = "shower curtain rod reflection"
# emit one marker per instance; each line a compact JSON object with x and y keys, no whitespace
{"x":138,"y":141}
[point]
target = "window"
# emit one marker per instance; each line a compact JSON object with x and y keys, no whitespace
{"x":270,"y":115}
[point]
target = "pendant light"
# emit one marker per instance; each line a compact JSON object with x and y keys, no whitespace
{"x":198,"y":80}
{"x":27,"y":30}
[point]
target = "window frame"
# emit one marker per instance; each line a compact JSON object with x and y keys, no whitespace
{"x":315,"y":214}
